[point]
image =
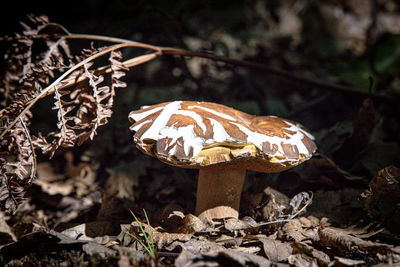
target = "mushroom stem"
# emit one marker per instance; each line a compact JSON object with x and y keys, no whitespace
{"x":218,"y":192}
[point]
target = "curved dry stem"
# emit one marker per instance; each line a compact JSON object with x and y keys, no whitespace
{"x":242,"y":63}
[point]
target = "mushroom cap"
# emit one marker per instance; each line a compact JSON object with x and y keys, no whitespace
{"x":193,"y":134}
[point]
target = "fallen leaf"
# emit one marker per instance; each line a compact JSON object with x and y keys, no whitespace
{"x":276,"y":250}
{"x":121,"y":185}
{"x":302,"y":260}
{"x":45,"y":172}
{"x":191,"y":224}
{"x":50,"y":241}
{"x":99,"y":231}
{"x":6,"y":233}
{"x":277,"y":205}
{"x":342,"y":243}
{"x":303,"y":248}
{"x":172,"y":217}
{"x":233,"y":224}
{"x":161,"y":239}
{"x":194,"y":246}
{"x":223,"y":258}
{"x":348,"y":262}
{"x":382,"y":199}
{"x":302,"y":228}
{"x":54,"y":188}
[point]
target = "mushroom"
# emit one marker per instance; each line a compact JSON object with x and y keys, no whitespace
{"x":222,"y":143}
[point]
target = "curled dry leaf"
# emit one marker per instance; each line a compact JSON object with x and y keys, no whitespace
{"x":172,"y":216}
{"x":382,"y":199}
{"x":302,"y":228}
{"x":342,"y":243}
{"x":348,"y":262}
{"x":299,"y":203}
{"x":80,"y":112}
{"x":277,"y":206}
{"x":191,"y":224}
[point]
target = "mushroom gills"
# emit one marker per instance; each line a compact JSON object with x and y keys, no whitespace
{"x":224,"y":153}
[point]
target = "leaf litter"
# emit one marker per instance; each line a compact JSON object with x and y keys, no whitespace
{"x":337,"y":209}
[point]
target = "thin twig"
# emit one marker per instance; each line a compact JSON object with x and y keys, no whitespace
{"x":308,"y":202}
{"x":271,"y":222}
{"x":242,"y":63}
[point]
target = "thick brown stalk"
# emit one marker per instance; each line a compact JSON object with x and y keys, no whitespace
{"x":218,"y":192}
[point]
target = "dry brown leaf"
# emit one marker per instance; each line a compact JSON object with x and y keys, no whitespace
{"x":302,"y":228}
{"x":277,"y":206}
{"x":301,"y":260}
{"x":120,"y":185}
{"x":46,"y":172}
{"x":249,"y":250}
{"x":171,"y":217}
{"x":382,"y":199}
{"x":161,"y":239}
{"x":127,"y":252}
{"x":301,"y":248}
{"x":276,"y":250}
{"x":101,"y":232}
{"x":348,"y":262}
{"x":221,"y":258}
{"x":54,"y":188}
{"x":82,"y":176}
{"x":164,"y":239}
{"x":233,"y":224}
{"x":6,"y":233}
{"x":191,"y":224}
{"x":194,"y":246}
{"x":342,"y":243}
{"x":79,"y":178}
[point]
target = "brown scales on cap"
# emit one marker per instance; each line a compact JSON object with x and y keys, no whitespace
{"x":223,"y":143}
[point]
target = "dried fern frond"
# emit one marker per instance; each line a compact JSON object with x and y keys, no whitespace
{"x":32,"y":60}
{"x":30,"y":74}
{"x":18,"y":166}
{"x":82,"y":110}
